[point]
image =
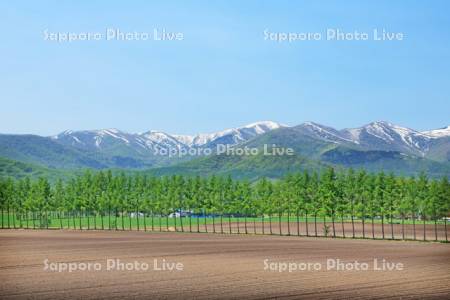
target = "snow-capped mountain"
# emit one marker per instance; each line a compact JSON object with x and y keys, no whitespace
{"x":154,"y":139}
{"x":379,"y":135}
{"x":151,"y":140}
{"x":92,"y":138}
{"x":232,"y":136}
{"x":438,"y":133}
{"x":325,"y":133}
{"x":387,"y":136}
{"x":377,"y":145}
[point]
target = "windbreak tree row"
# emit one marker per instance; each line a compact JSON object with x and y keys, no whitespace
{"x":347,"y":204}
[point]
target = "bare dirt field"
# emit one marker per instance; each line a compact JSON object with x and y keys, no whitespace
{"x":216,"y":266}
{"x":345,"y":229}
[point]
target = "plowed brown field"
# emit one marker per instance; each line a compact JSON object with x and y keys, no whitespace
{"x":215,"y":266}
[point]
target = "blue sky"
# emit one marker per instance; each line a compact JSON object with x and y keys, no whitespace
{"x":223,"y":73}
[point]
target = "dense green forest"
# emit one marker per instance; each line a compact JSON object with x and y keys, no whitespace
{"x":350,"y":196}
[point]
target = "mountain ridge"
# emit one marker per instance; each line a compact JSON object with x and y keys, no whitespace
{"x":154,"y":138}
{"x":376,"y":145}
{"x":383,"y":133}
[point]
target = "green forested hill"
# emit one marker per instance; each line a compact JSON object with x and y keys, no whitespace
{"x":16,"y":169}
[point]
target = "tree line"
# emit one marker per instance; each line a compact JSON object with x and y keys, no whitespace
{"x":339,"y":197}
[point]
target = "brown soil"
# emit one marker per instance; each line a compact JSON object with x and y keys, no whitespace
{"x":215,"y":266}
{"x":396,"y":231}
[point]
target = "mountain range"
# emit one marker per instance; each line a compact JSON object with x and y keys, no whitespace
{"x":375,"y":146}
{"x":144,"y":143}
{"x":386,"y":136}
